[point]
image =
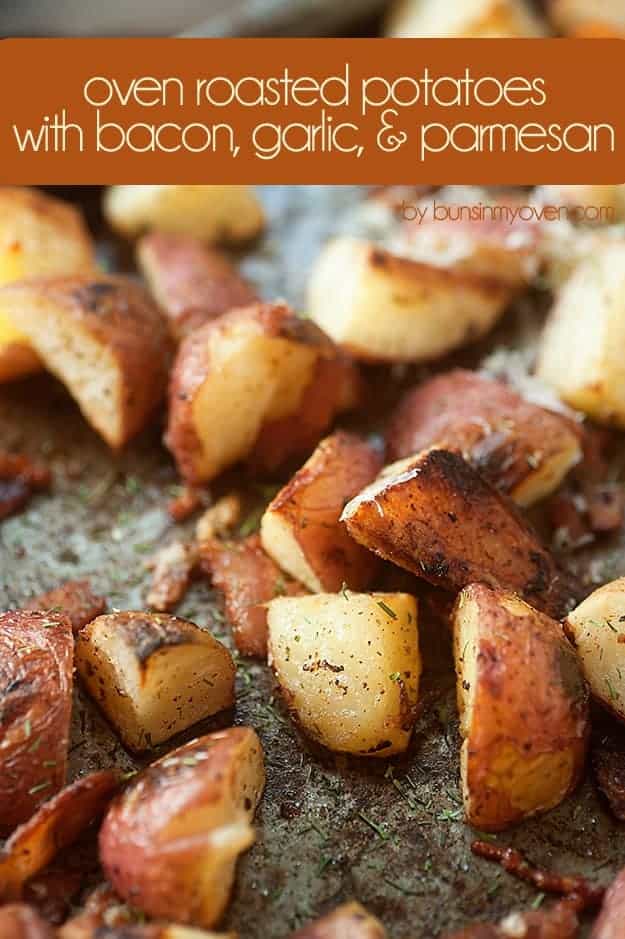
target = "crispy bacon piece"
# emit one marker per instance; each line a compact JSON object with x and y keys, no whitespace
{"x":20,"y":921}
{"x":173,"y":569}
{"x":20,"y":477}
{"x":36,"y":653}
{"x":55,"y":825}
{"x":248,"y":578}
{"x":608,"y":761}
{"x":611,"y":920}
{"x":577,"y":889}
{"x":559,"y":922}
{"x":191,"y":283}
{"x":75,"y":599}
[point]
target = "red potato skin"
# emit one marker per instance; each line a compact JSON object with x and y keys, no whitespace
{"x":55,"y":825}
{"x":36,"y":658}
{"x":75,"y":599}
{"x":559,"y":922}
{"x":134,"y":833}
{"x":529,"y":685}
{"x":191,"y":283}
{"x":610,"y":923}
{"x":20,"y":477}
{"x":503,"y":436}
{"x":20,"y":921}
{"x":312,"y":503}
{"x":248,"y":579}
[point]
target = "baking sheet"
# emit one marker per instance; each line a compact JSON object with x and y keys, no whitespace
{"x":389,"y":833}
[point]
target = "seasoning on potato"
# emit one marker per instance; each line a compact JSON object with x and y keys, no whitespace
{"x":523,"y":706}
{"x":348,"y":667}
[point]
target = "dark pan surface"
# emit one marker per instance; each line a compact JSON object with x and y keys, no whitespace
{"x":390,"y":832}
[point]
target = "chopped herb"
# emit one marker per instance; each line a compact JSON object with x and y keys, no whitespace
{"x":538,"y":899}
{"x":613,"y":693}
{"x":324,"y":862}
{"x":28,"y":729}
{"x":374,"y":826}
{"x":395,"y":676}
{"x":39,"y":787}
{"x":449,"y":815}
{"x":252,"y":523}
{"x":48,"y":763}
{"x":387,"y":609}
{"x":344,"y":591}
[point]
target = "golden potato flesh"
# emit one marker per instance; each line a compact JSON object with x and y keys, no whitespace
{"x":39,"y":236}
{"x":471,"y":19}
{"x":590,"y":18}
{"x":382,"y":307}
{"x":524,"y":450}
{"x":254,"y":365}
{"x":580,"y":351}
{"x":435,"y":516}
{"x":36,"y":652}
{"x":104,"y":339}
{"x":597,"y":630}
{"x":348,"y":667}
{"x":214,"y":214}
{"x":349,"y":921}
{"x":170,"y":842}
{"x":523,"y":706}
{"x":301,"y":530}
{"x":153,"y":675}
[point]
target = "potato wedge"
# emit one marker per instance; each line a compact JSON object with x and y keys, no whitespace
{"x":597,"y":630}
{"x":301,"y":530}
{"x":524,"y":450}
{"x":348,"y":921}
{"x":579,"y":355}
{"x":20,"y":921}
{"x":435,"y":516}
{"x":36,"y":651}
{"x":248,"y":579}
{"x":190,"y":283}
{"x":386,"y":308}
{"x":255,"y":364}
{"x":169,"y":844}
{"x":214,"y":214}
{"x":471,"y":19}
{"x":348,"y":667}
{"x":75,"y":599}
{"x":39,"y":236}
{"x":55,"y":825}
{"x":153,"y":675}
{"x":609,"y":923}
{"x":523,"y":706}
{"x":104,"y":339}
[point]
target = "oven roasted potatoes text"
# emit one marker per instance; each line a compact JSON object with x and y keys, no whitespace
{"x":106,"y":341}
{"x":153,"y":674}
{"x":36,"y":653}
{"x":170,"y":842}
{"x":383,"y":307}
{"x":256,"y":365}
{"x":214,"y":214}
{"x":523,"y":708}
{"x":348,"y":667}
{"x":301,"y":529}
{"x":434,"y":515}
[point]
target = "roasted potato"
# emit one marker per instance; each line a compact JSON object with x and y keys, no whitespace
{"x":471,"y":19}
{"x":214,"y":214}
{"x":608,"y":198}
{"x":557,"y":922}
{"x":349,"y":921}
{"x":523,"y":706}
{"x":104,"y":339}
{"x":255,"y":365}
{"x":524,"y":450}
{"x":36,"y":652}
{"x":592,"y":18}
{"x":579,"y":354}
{"x":248,"y":579}
{"x":153,"y":675}
{"x":348,"y":667}
{"x":173,"y":567}
{"x":75,"y":599}
{"x":74,"y":929}
{"x":383,"y":307}
{"x":170,"y":842}
{"x":301,"y":530}
{"x":609,"y":923}
{"x":435,"y":516}
{"x":20,"y":478}
{"x":54,"y":826}
{"x":39,"y":236}
{"x":597,"y":630}
{"x":190,"y":283}
{"x":20,"y":921}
